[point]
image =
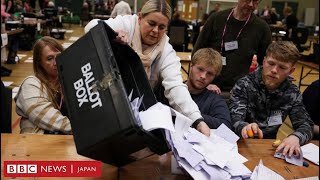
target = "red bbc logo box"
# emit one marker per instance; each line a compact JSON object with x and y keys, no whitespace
{"x":52,"y":169}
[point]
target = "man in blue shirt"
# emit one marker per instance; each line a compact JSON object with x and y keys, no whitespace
{"x":205,"y":66}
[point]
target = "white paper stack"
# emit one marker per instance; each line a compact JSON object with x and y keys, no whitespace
{"x":209,"y":158}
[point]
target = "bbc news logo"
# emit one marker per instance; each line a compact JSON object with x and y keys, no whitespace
{"x":20,"y":168}
{"x":52,"y":169}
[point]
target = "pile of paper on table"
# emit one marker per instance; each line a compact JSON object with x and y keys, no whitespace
{"x":202,"y":157}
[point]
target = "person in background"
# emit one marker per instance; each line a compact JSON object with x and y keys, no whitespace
{"x":265,"y":14}
{"x":111,"y":4}
{"x":89,"y":5}
{"x":274,"y":16}
{"x":10,"y":6}
{"x":261,"y":101}
{"x":311,"y":100}
{"x":45,"y":4}
{"x":107,"y":10}
{"x":85,"y":14}
{"x":121,"y":8}
{"x":25,"y":6}
{"x":238,"y":35}
{"x":39,"y":100}
{"x":41,"y":3}
{"x":13,"y":41}
{"x":256,"y":12}
{"x":266,"y":11}
{"x":215,"y":9}
{"x":205,"y":66}
{"x":4,"y":14}
{"x":197,"y":27}
{"x":146,"y":34}
{"x":18,"y":7}
{"x":290,"y":20}
{"x":178,"y":22}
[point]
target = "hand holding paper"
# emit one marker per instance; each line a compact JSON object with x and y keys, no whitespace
{"x":290,"y":145}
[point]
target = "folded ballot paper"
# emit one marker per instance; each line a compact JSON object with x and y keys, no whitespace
{"x":202,"y":157}
{"x":296,"y":160}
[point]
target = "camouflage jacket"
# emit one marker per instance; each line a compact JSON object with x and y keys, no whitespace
{"x":250,"y":102}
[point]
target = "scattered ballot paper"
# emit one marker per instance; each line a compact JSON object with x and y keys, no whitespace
{"x":157,"y":116}
{"x":15,"y":91}
{"x":58,"y":30}
{"x":66,"y":45}
{"x":296,"y":160}
{"x":7,"y":83}
{"x":21,"y":55}
{"x":29,"y":61}
{"x":261,"y":172}
{"x":226,"y":133}
{"x":73,"y":38}
{"x":311,"y":152}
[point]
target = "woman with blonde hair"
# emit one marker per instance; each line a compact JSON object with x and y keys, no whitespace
{"x":39,"y":101}
{"x":146,"y":34}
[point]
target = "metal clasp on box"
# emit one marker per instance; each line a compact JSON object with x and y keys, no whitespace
{"x":104,"y":83}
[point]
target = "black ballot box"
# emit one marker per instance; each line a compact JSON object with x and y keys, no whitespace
{"x":97,"y":75}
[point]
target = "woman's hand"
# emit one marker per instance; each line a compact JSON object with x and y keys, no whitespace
{"x":203,"y":128}
{"x":214,"y":88}
{"x":122,"y":37}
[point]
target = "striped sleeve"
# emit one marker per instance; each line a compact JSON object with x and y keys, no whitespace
{"x":38,"y":109}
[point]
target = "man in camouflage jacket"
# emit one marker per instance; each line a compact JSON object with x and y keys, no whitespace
{"x":261,"y":101}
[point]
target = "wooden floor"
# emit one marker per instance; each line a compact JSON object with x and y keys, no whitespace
{"x":23,"y":69}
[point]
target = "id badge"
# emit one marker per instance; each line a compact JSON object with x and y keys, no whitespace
{"x":224,"y":60}
{"x":275,"y":118}
{"x":232,"y":45}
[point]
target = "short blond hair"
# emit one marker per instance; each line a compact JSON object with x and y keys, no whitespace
{"x":210,"y":57}
{"x":156,"y":6}
{"x":284,"y":51}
